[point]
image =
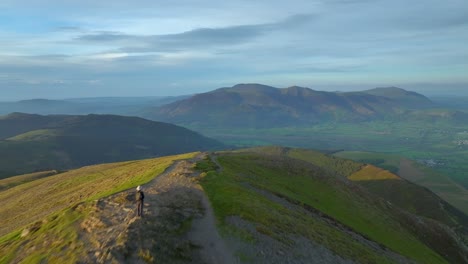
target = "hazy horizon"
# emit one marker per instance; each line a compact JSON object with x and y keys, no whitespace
{"x":60,"y":49}
{"x":456,"y":91}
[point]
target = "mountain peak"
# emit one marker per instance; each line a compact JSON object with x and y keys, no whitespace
{"x":298,"y":91}
{"x":252,"y":87}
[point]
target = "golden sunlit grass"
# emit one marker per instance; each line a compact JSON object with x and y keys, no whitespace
{"x":33,"y":201}
{"x":372,"y":173}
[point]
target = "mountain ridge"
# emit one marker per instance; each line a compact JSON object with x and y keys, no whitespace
{"x":251,"y":105}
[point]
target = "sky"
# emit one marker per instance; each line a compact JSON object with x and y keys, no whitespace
{"x":61,"y":49}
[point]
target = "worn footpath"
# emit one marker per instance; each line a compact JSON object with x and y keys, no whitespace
{"x":178,"y":225}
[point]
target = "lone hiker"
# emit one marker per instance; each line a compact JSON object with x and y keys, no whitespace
{"x":140,"y":197}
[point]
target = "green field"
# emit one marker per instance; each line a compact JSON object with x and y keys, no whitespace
{"x":442,"y":145}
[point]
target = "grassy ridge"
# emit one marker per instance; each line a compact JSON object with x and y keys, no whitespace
{"x":230,"y":198}
{"x":312,"y":187}
{"x":341,"y":167}
{"x":53,"y":195}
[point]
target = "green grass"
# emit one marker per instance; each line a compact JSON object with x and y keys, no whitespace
{"x":342,"y":167}
{"x":44,"y":196}
{"x":54,"y":239}
{"x":17,"y":180}
{"x":229,"y":198}
{"x":311,"y":187}
{"x":52,"y":197}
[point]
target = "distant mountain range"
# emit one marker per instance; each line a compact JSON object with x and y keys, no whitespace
{"x":256,"y":105}
{"x":34,"y":142}
{"x":80,"y":106}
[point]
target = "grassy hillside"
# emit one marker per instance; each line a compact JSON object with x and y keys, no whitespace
{"x":387,"y":185}
{"x":44,"y":206}
{"x":17,"y":180}
{"x":261,"y":197}
{"x":420,"y":174}
{"x":311,"y":186}
{"x":64,"y":142}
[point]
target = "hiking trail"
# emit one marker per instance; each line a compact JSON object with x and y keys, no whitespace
{"x":178,"y":224}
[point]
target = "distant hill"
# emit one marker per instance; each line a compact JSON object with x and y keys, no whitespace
{"x":256,"y":105}
{"x":33,"y":142}
{"x":93,"y":105}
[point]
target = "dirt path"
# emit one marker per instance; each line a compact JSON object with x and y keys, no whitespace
{"x":178,"y":225}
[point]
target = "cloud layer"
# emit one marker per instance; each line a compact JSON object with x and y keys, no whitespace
{"x":122,"y":48}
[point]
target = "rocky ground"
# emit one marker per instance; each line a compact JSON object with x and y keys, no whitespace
{"x":178,"y":225}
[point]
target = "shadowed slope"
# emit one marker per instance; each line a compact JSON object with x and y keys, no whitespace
{"x":64,"y":142}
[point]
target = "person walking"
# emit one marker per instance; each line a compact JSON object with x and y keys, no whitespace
{"x":140,"y":197}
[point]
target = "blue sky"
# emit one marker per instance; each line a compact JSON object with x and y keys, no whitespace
{"x":60,"y":49}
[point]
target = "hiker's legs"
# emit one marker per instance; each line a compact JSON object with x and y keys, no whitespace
{"x":140,"y":208}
